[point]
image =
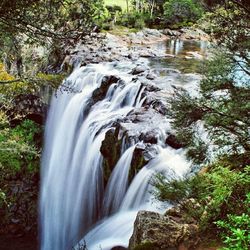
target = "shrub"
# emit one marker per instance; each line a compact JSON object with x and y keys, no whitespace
{"x":182,"y":11}
{"x":133,"y":20}
{"x":236,"y":234}
{"x":17,"y":147}
{"x":214,"y":190}
{"x":19,"y":166}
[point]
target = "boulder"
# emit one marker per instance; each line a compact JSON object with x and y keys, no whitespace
{"x":153,"y":231}
{"x":173,"y":142}
{"x":100,"y":93}
{"x":149,"y":137}
{"x":138,"y":161}
{"x":139,"y":69}
{"x":110,"y":150}
{"x":151,"y":76}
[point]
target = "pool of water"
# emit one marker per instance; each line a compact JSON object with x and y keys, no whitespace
{"x":186,"y":56}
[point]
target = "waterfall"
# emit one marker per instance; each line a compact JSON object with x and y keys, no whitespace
{"x":117,"y":185}
{"x":73,"y":201}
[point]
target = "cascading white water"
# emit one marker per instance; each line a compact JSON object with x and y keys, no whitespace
{"x":118,"y":183}
{"x":72,"y":189}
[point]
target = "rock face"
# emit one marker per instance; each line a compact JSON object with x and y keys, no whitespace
{"x":153,"y":231}
{"x":19,"y":216}
{"x":111,"y":150}
{"x":173,"y":142}
{"x":101,"y":92}
{"x":27,"y":106}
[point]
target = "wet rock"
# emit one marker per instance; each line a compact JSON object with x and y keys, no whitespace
{"x":110,"y":150}
{"x":119,"y":248}
{"x":173,"y":142}
{"x":139,"y":69}
{"x":151,"y":88}
{"x":151,"y":76}
{"x":101,"y":92}
{"x":138,"y":161}
{"x":173,"y":33}
{"x":152,"y":32}
{"x":149,"y":137}
{"x":160,"y":107}
{"x":154,"y":231}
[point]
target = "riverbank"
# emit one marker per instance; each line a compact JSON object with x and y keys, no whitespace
{"x":115,"y":46}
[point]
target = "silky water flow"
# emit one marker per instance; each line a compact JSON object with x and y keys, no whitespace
{"x":74,"y":205}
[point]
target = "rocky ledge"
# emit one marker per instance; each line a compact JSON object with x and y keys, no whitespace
{"x":177,"y":229}
{"x":107,"y":47}
{"x":144,"y":126}
{"x":153,"y":231}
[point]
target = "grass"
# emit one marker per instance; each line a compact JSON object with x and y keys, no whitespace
{"x":121,"y":3}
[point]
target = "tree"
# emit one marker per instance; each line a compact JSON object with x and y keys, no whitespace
{"x":49,"y":23}
{"x":182,"y":11}
{"x":46,"y":18}
{"x":223,"y":102}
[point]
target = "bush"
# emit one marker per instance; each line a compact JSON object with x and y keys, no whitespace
{"x":19,"y":166}
{"x":182,"y":11}
{"x":17,"y":147}
{"x":214,"y":190}
{"x":236,"y":233}
{"x":133,"y":20}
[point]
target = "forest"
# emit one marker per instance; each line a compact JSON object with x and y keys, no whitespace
{"x":124,"y":124}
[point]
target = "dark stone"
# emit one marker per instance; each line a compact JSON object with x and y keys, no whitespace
{"x":110,"y":150}
{"x":139,"y":69}
{"x":27,"y":106}
{"x":100,"y":93}
{"x":151,"y":76}
{"x":151,"y":88}
{"x":160,"y":107}
{"x":119,"y":248}
{"x":138,"y":161}
{"x":173,"y":142}
{"x":148,"y":137}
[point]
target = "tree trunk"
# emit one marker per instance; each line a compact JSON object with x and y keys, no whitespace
{"x":127,"y":6}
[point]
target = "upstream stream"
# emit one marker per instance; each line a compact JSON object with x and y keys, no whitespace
{"x":79,"y":203}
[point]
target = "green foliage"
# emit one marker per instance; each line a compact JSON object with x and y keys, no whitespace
{"x":17,"y":146}
{"x":215,"y":191}
{"x":19,"y":166}
{"x":223,"y":107}
{"x":133,"y":20}
{"x":236,"y":233}
{"x":173,"y":191}
{"x":182,"y":11}
{"x":33,"y":34}
{"x":120,"y":3}
{"x":47,"y":18}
